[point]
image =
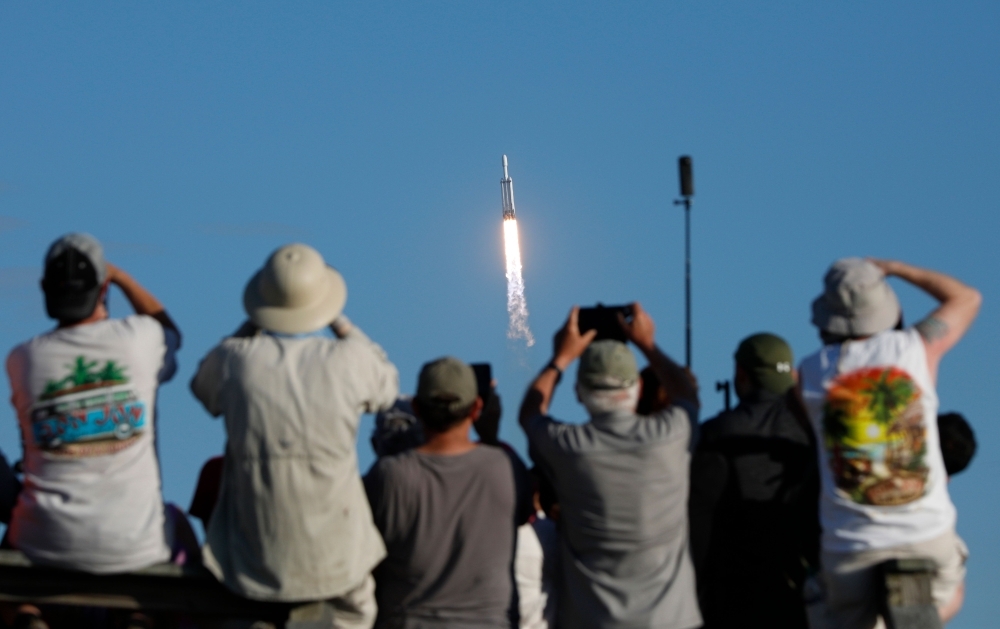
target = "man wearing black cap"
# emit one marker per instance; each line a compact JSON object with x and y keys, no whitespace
{"x":753,"y":505}
{"x":85,"y":395}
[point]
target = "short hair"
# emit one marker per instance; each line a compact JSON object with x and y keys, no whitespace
{"x":958,"y":442}
{"x":439,"y":415}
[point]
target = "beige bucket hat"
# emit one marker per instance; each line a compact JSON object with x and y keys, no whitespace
{"x":295,"y":292}
{"x":856,"y":300}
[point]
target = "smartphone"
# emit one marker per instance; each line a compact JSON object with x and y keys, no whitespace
{"x":484,"y":380}
{"x":604,"y":319}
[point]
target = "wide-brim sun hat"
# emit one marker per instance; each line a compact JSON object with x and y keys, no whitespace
{"x":295,"y":292}
{"x":857,"y":300}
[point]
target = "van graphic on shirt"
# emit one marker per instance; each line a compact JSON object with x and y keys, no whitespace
{"x":92,"y":410}
{"x":874,"y":433}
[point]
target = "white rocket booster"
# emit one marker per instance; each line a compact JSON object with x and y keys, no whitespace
{"x":507,"y":192}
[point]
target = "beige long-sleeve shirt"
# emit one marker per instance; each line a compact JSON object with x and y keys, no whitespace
{"x":293,"y":522}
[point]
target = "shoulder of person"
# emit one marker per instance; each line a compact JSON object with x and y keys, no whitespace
{"x":719,"y":426}
{"x":397,"y":467}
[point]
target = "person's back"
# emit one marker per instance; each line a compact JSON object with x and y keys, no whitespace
{"x":753,"y":504}
{"x":85,"y":395}
{"x":448,"y":511}
{"x":621,"y":481}
{"x":292,"y":522}
{"x":870,"y":394}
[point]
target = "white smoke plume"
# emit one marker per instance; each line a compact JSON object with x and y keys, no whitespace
{"x":517,"y":305}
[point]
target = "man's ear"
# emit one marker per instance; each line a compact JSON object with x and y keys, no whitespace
{"x":477,"y":409}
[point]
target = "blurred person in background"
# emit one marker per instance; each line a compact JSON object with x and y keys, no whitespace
{"x":448,"y":510}
{"x":85,"y":397}
{"x":871,"y":396}
{"x":754,"y":497}
{"x":621,"y":481}
{"x":958,"y":442}
{"x":292,"y":522}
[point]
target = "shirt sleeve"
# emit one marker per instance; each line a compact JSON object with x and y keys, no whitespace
{"x":383,"y":376}
{"x":207,"y":382}
{"x":542,"y":433}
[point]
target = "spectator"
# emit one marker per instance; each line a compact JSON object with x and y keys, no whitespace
{"x":292,"y":522}
{"x":85,"y":396}
{"x":621,"y":481}
{"x":397,"y":429}
{"x":754,"y":492}
{"x":536,"y":563}
{"x":448,"y":511}
{"x":870,"y":394}
{"x":958,"y":442}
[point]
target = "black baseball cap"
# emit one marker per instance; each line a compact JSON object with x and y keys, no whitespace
{"x":74,"y":273}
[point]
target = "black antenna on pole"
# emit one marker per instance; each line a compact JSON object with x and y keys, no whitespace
{"x":687,"y":191}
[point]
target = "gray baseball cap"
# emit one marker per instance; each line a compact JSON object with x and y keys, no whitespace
{"x":607,"y":364}
{"x":857,"y":300}
{"x":74,"y":272}
{"x":447,"y":383}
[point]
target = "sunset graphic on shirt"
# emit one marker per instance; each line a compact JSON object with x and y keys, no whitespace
{"x":873,"y":424}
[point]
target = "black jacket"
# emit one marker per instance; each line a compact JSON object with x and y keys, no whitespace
{"x":754,"y":513}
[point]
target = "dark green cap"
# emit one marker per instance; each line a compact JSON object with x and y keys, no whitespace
{"x":607,"y":364}
{"x":767,"y":359}
{"x":447,"y":383}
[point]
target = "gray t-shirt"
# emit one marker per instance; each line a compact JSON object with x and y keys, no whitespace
{"x":622,"y":485}
{"x":449,"y":527}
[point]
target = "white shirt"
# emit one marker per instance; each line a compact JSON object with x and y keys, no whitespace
{"x":874,"y":407}
{"x":293,"y":522}
{"x":535,"y":572}
{"x":85,"y":398}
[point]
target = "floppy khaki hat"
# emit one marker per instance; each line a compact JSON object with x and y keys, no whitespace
{"x":857,"y":300}
{"x":295,"y":292}
{"x":607,"y":364}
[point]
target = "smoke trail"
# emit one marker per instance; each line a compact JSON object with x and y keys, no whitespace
{"x":517,"y":305}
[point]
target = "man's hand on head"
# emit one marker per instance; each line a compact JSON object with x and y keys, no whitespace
{"x":642,"y":330}
{"x":114,"y":273}
{"x":568,"y":344}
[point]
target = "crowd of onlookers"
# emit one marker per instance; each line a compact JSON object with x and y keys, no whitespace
{"x":774,"y":513}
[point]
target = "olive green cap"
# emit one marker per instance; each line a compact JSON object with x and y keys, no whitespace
{"x":768,"y":360}
{"x":447,"y":383}
{"x":607,"y":364}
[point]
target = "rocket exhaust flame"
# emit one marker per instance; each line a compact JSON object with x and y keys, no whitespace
{"x":517,"y":305}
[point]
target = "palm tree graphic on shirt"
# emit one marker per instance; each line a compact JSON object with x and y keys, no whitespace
{"x":83,"y":375}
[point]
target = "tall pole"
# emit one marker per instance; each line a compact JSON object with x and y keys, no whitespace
{"x":687,"y":282}
{"x":687,"y":191}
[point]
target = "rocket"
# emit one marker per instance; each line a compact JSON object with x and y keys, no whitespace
{"x":507,"y":193}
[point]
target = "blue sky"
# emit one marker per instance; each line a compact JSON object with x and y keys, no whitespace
{"x":194,"y":138}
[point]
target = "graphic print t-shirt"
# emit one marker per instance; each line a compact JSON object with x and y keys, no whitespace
{"x":85,"y":399}
{"x":874,"y":408}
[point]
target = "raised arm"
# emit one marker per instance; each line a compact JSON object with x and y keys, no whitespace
{"x":943,"y":328}
{"x":679,"y":382}
{"x":143,"y":302}
{"x":567,"y":346}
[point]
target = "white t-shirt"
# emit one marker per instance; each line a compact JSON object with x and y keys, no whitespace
{"x":535,"y":572}
{"x":873,"y":405}
{"x":85,"y":398}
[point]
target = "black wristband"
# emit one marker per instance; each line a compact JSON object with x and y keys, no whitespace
{"x":552,"y":364}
